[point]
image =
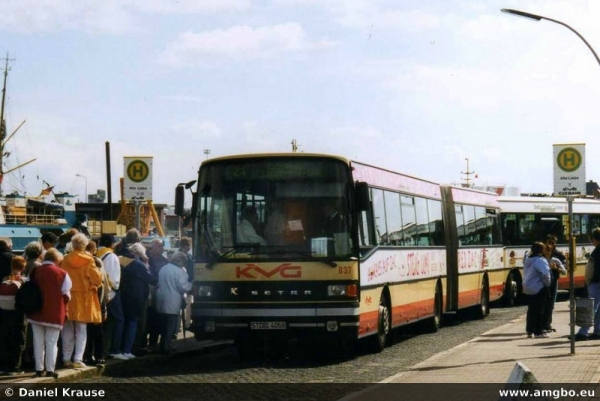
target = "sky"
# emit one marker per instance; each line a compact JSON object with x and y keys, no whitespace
{"x":411,"y":86}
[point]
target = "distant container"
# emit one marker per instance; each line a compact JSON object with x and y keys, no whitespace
{"x":109,"y":227}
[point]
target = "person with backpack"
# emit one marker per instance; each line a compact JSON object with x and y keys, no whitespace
{"x":12,"y":323}
{"x":55,"y":286}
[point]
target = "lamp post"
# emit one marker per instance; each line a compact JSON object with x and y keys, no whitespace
{"x":207,"y":152}
{"x":539,"y":18}
{"x":86,"y":187}
{"x":572,"y":259}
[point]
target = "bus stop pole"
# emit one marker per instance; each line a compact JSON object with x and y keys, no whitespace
{"x":137,"y":204}
{"x":571,"y":261}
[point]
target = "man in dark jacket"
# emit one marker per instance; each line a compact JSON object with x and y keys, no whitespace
{"x":135,"y":278}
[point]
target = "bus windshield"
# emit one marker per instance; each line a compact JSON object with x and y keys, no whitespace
{"x":277,"y":207}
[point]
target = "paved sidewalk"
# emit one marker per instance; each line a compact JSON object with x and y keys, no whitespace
{"x":491,"y":357}
{"x":182,"y":345}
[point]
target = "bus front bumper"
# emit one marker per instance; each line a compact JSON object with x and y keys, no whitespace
{"x":227,"y":322}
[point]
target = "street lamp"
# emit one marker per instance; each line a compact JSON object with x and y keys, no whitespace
{"x":86,"y":187}
{"x":572,"y":260}
{"x":207,"y":152}
{"x":539,"y":18}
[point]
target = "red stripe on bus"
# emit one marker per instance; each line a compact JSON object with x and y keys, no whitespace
{"x":564,"y":283}
{"x":407,"y":313}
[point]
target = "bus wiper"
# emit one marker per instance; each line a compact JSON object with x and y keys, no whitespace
{"x":216,"y":256}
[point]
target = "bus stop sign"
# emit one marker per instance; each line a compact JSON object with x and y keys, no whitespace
{"x":569,"y":169}
{"x":138,"y":178}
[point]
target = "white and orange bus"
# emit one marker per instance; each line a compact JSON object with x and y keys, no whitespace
{"x":403,"y":249}
{"x":526,"y":219}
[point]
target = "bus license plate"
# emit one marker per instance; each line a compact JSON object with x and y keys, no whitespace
{"x":267,"y":325}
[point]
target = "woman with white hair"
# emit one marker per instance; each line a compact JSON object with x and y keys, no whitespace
{"x":33,"y":254}
{"x":172,"y":284}
{"x":84,"y":306}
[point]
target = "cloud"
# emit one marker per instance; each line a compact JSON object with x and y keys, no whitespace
{"x":238,"y":43}
{"x":100,"y":17}
{"x":188,"y":6}
{"x":373,"y":16}
{"x":34,"y":16}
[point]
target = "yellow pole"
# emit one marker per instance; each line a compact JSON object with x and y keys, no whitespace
{"x":155,"y":218}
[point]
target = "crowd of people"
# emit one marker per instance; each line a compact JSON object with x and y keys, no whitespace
{"x":101,"y":300}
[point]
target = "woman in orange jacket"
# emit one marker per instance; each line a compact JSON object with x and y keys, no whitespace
{"x":84,"y":306}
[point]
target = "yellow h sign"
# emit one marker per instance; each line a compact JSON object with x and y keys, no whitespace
{"x":569,"y":159}
{"x":138,"y":178}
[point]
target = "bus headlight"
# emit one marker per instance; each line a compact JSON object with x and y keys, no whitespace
{"x":204,"y":291}
{"x":336,"y":290}
{"x":340,"y":290}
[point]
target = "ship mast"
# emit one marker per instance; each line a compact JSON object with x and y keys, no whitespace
{"x":3,"y":138}
{"x":3,"y":124}
{"x":467,"y":180}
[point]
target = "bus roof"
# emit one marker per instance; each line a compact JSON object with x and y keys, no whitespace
{"x":271,"y":155}
{"x":474,"y":196}
{"x":387,"y":179}
{"x":526,"y":204}
{"x":380,"y":177}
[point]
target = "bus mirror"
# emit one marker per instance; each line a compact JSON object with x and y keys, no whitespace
{"x":179,"y":199}
{"x":363,"y":200}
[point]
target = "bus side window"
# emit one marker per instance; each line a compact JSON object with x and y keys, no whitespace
{"x":364,"y":233}
{"x":436,"y":225}
{"x":381,"y":233}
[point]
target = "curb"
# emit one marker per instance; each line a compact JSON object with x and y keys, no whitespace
{"x":74,"y":375}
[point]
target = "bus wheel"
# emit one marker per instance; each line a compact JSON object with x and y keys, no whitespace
{"x":433,"y":323}
{"x":383,"y":326}
{"x":484,"y":304}
{"x":512,"y":290}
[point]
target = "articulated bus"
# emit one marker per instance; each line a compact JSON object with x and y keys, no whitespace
{"x":526,"y":219}
{"x":403,"y":250}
